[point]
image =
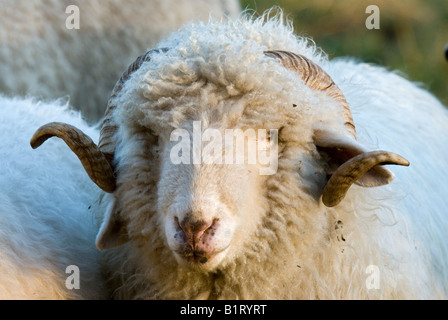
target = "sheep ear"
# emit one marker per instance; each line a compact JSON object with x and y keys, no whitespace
{"x":112,"y":231}
{"x":338,"y":149}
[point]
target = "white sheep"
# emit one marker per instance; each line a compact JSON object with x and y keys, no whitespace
{"x":211,"y":230}
{"x":45,"y":57}
{"x":46,"y":227}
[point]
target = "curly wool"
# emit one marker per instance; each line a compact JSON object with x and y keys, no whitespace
{"x":295,"y":248}
{"x":217,"y":73}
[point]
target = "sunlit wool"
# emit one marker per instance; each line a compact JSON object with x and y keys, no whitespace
{"x":278,"y":240}
{"x":286,"y":243}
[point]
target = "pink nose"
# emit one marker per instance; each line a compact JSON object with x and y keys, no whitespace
{"x":194,"y":230}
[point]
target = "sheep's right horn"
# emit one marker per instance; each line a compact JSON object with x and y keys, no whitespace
{"x":93,"y":160}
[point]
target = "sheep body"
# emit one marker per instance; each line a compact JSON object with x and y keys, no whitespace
{"x":298,"y":248}
{"x":382,"y":242}
{"x":405,"y":117}
{"x":46,"y":224}
{"x":45,"y":59}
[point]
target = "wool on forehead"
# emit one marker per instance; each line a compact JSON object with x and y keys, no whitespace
{"x":218,"y":72}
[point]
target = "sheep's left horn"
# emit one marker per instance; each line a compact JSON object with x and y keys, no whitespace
{"x":352,"y":170}
{"x":93,"y":160}
{"x":316,"y":78}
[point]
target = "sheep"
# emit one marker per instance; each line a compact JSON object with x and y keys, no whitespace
{"x":45,"y":57}
{"x":47,"y":232}
{"x":329,"y":223}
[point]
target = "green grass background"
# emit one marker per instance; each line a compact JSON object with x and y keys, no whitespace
{"x":411,"y":38}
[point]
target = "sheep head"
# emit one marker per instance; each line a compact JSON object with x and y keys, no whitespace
{"x":199,"y":210}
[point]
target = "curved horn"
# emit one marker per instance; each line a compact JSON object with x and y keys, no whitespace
{"x":97,"y":160}
{"x":354,"y":169}
{"x":108,"y":128}
{"x":93,"y":160}
{"x":316,"y":78}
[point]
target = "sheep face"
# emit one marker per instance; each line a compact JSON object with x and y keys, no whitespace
{"x":199,"y":211}
{"x":209,"y":208}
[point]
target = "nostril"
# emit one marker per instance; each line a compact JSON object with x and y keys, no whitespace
{"x":194,"y":229}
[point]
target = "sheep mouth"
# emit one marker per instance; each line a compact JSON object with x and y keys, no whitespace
{"x":197,"y":257}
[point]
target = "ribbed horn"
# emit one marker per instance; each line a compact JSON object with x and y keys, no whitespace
{"x":97,"y":160}
{"x":93,"y":160}
{"x":352,"y":170}
{"x":316,"y":78}
{"x":108,"y":128}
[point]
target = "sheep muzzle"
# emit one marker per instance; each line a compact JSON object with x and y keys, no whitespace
{"x":195,"y":239}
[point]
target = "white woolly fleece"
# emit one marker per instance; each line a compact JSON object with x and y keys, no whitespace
{"x":291,"y":246}
{"x":395,"y":114}
{"x":45,"y":195}
{"x":218,"y":73}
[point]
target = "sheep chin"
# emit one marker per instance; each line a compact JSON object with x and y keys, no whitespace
{"x":199,"y":262}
